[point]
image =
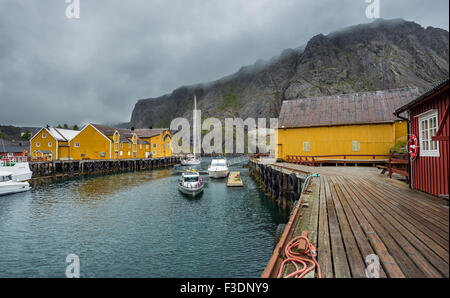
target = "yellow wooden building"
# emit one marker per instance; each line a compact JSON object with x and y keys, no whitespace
{"x":100,"y":142}
{"x":103,"y":142}
{"x":52,"y":143}
{"x":159,"y":139}
{"x":353,"y":124}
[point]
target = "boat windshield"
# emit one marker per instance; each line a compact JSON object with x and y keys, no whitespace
{"x":191,"y":179}
{"x":5,"y":178}
{"x":219,"y":163}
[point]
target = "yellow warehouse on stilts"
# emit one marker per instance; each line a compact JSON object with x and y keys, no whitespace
{"x":358,"y":126}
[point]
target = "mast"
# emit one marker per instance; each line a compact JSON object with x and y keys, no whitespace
{"x":195,"y":124}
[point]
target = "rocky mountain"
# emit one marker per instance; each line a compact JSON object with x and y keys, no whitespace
{"x":385,"y":54}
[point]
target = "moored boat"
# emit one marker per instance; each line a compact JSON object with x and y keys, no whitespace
{"x":191,"y":183}
{"x":9,"y":186}
{"x":18,"y":168}
{"x":218,"y":168}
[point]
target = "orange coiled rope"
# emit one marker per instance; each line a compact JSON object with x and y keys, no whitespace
{"x":300,"y":262}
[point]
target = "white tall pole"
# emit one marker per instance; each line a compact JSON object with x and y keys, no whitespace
{"x":195,"y":124}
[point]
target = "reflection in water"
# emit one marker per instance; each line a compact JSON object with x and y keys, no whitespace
{"x":137,"y":225}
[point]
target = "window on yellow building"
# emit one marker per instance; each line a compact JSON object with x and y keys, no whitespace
{"x":121,"y":145}
{"x":306,"y":147}
{"x":102,"y":154}
{"x":38,"y":144}
{"x":121,"y":153}
{"x":356,"y":146}
{"x":77,"y":145}
{"x":135,"y":154}
{"x":154,"y":152}
{"x":140,"y":146}
{"x":146,"y":147}
{"x":44,"y":135}
{"x":164,"y":146}
{"x":129,"y":145}
{"x":154,"y":145}
{"x":50,"y":144}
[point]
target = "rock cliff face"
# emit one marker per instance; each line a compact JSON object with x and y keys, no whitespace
{"x":385,"y":54}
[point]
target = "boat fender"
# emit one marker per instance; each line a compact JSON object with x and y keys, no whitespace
{"x":293,"y":197}
{"x":278,"y":233}
{"x":293,"y":182}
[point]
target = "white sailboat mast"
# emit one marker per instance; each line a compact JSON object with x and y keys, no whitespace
{"x":195,"y":124}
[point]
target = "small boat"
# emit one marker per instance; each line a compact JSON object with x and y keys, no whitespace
{"x":191,"y":161}
{"x":19,"y":169}
{"x":218,"y":168}
{"x":191,"y":183}
{"x":9,"y":186}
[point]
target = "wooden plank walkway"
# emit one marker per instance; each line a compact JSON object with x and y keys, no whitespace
{"x":353,"y":216}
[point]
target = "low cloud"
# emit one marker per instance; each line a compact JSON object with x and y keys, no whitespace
{"x":58,"y":70}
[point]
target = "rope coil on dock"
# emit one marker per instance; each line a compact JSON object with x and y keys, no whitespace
{"x":300,"y":262}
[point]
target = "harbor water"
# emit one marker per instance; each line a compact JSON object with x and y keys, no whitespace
{"x":138,"y":225}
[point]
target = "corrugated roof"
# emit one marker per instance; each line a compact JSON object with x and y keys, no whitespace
{"x":61,"y":134}
{"x":13,"y":147}
{"x":126,"y":135}
{"x":417,"y":100}
{"x":347,"y":109}
{"x":148,"y":133}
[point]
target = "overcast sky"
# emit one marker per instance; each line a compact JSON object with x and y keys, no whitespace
{"x":94,"y":69}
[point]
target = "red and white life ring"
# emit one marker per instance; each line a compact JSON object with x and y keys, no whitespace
{"x":413,"y":147}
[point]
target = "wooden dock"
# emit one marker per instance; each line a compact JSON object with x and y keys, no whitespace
{"x":355,"y":213}
{"x":235,"y":180}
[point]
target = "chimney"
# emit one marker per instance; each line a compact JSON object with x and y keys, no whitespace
{"x":132,"y":128}
{"x":150,"y":127}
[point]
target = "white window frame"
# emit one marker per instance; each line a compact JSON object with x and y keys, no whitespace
{"x":154,"y":146}
{"x":428,"y":116}
{"x":306,"y":146}
{"x":356,"y":146}
{"x":50,"y":145}
{"x":77,"y":145}
{"x":38,"y":144}
{"x":44,"y":135}
{"x":155,"y":153}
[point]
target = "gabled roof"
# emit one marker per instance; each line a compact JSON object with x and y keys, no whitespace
{"x":126,"y":135}
{"x":59,"y":134}
{"x":148,"y":133}
{"x":419,"y":99}
{"x":347,"y":109}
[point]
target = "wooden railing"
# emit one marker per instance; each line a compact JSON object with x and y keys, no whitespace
{"x":317,"y":160}
{"x":399,"y":164}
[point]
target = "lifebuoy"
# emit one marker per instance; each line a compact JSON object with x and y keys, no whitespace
{"x":25,"y":152}
{"x":413,"y":147}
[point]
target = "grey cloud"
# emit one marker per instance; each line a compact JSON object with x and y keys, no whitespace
{"x":55,"y":70}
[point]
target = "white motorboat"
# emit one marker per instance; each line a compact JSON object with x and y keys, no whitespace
{"x":191,"y":183}
{"x":218,"y":168}
{"x":19,"y":169}
{"x":191,"y":161}
{"x":9,"y":186}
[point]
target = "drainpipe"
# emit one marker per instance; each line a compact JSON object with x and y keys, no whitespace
{"x":410,"y":182}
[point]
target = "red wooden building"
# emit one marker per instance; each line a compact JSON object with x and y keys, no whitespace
{"x":13,"y":148}
{"x":429,"y":123}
